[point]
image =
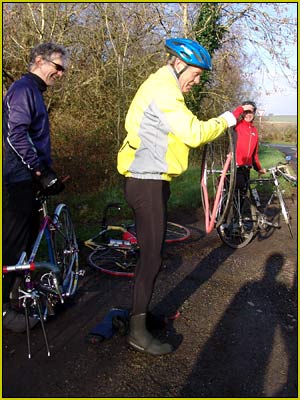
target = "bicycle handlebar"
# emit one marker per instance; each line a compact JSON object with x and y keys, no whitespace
{"x":277,"y":167}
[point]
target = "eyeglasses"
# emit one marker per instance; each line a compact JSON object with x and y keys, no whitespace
{"x":58,"y":67}
{"x":248,"y":112}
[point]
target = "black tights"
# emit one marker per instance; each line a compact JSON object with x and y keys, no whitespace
{"x":242,"y":178}
{"x":148,"y":198}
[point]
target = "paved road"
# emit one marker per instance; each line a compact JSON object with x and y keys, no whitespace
{"x":287,"y":149}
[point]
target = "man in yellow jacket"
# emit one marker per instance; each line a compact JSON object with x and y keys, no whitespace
{"x":160,"y":131}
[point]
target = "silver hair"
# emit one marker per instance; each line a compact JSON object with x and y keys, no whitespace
{"x":45,"y":50}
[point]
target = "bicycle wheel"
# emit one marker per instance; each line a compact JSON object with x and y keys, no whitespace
{"x":284,"y":211}
{"x":115,"y":262}
{"x":239,"y":226}
{"x":218,"y":172}
{"x":174,"y":232}
{"x":65,"y":249}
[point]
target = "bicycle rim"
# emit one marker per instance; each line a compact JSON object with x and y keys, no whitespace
{"x":239,"y":226}
{"x":284,"y":211}
{"x":174,"y":232}
{"x":65,"y":249}
{"x":115,"y":262}
{"x":215,"y":157}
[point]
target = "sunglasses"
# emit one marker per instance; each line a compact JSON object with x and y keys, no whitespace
{"x":58,"y":67}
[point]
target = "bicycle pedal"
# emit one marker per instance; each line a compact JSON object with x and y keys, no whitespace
{"x":276,"y":226}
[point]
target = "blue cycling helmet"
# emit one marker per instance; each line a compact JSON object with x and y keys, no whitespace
{"x":189,"y":51}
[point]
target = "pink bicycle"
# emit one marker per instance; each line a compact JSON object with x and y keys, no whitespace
{"x":218,"y":173}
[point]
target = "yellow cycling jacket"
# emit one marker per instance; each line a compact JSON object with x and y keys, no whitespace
{"x":161,"y":129}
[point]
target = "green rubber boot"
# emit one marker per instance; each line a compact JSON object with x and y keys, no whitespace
{"x":142,"y":340}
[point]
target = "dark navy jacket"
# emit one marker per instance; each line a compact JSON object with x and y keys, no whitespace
{"x":26,"y":129}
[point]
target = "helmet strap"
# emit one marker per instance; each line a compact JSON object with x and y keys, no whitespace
{"x":180,"y":72}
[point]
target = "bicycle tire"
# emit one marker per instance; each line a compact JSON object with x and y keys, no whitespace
{"x":239,"y":227}
{"x":284,"y":211}
{"x":269,"y":221}
{"x":122,"y":261}
{"x":65,"y":249}
{"x":115,"y":262}
{"x":218,"y":157}
{"x":174,"y":232}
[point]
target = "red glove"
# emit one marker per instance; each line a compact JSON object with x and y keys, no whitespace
{"x":238,"y":111}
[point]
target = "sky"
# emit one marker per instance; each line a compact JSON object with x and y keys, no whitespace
{"x":280,"y":104}
{"x":283,"y":101}
{"x":278,"y":97}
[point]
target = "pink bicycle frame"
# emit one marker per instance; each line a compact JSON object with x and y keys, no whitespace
{"x":210,"y":214}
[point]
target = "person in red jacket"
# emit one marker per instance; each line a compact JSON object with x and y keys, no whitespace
{"x":247,"y":143}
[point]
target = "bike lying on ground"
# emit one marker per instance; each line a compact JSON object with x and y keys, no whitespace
{"x":115,"y":247}
{"x":247,"y":216}
{"x":44,"y":284}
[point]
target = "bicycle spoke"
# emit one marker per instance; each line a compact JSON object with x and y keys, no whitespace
{"x":115,"y":262}
{"x":218,"y":172}
{"x":174,"y":232}
{"x":239,"y":226}
{"x":66,"y":249}
{"x":284,"y":211}
{"x":118,"y":257}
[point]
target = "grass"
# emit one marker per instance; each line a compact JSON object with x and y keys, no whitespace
{"x":270,"y":157}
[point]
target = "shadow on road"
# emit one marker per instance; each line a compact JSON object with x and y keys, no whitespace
{"x":191,"y":283}
{"x":236,"y":360}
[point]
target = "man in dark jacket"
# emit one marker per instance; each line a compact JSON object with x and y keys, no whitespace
{"x":27,"y":162}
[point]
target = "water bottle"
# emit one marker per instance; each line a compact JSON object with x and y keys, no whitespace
{"x":256,"y":197}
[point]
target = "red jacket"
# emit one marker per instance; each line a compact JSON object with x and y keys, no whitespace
{"x":247,"y":144}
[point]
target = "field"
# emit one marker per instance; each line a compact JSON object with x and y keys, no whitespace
{"x":290,"y":119}
{"x":278,"y":128}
